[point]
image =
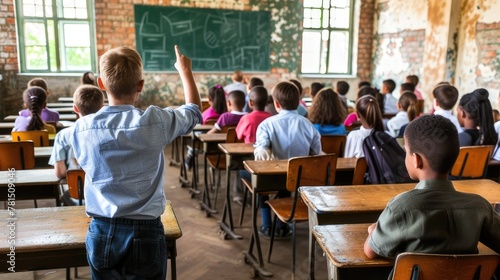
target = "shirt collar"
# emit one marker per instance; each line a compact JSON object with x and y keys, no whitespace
{"x":238,"y":112}
{"x":117,"y":108}
{"x":435,"y":185}
{"x":283,"y":112}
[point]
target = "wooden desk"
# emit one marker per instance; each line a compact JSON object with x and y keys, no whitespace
{"x":63,"y":110}
{"x":6,"y":127}
{"x":271,"y":176}
{"x":364,"y":203}
{"x":343,"y":246}
{"x":31,"y":184}
{"x":235,"y":154}
{"x":53,"y":105}
{"x":63,"y":117}
{"x":42,"y":156}
{"x":54,"y":237}
{"x":210,"y":147}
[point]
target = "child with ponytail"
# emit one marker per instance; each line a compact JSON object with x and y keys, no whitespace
{"x":475,"y":115}
{"x":370,"y":116}
{"x":217,"y":101}
{"x":34,"y":98}
{"x":407,"y":106}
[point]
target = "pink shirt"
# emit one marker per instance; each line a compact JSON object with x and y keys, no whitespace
{"x":418,"y":94}
{"x":351,"y":118}
{"x":247,"y":127}
{"x":209,"y":114}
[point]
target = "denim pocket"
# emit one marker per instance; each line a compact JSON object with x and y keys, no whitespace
{"x":98,"y":246}
{"x":149,"y":256}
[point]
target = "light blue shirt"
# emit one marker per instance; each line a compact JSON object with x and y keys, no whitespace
{"x":288,"y":134}
{"x":62,"y":150}
{"x":121,"y":150}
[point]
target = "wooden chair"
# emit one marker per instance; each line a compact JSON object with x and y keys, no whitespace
{"x":39,"y":137}
{"x":17,"y":155}
{"x":352,"y":127}
{"x":359,"y":171}
{"x":211,"y":121}
{"x":420,"y":266}
{"x":472,"y":162}
{"x":333,"y":144}
{"x":302,"y":171}
{"x":76,"y":180}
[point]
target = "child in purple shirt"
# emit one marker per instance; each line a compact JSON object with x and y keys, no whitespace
{"x":235,"y":104}
{"x":46,"y":114}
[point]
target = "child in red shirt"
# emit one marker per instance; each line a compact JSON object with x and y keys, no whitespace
{"x":247,"y":127}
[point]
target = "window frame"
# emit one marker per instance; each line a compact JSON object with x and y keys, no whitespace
{"x":57,"y":19}
{"x":350,"y":30}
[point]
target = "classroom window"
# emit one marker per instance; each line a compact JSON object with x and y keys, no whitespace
{"x":327,"y":37}
{"x":55,"y":35}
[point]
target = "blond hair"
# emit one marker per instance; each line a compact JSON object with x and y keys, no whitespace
{"x":237,"y":76}
{"x":121,"y":71}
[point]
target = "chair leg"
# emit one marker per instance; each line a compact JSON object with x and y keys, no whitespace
{"x":271,"y":242}
{"x":76,"y":272}
{"x":245,"y":194}
{"x":217,"y":185}
{"x":293,"y":249}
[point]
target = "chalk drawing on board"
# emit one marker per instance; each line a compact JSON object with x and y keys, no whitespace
{"x":215,"y":40}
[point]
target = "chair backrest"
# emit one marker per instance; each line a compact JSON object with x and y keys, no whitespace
{"x":353,"y":126}
{"x":76,"y":181}
{"x":17,"y":155}
{"x":211,"y":121}
{"x":359,"y":172}
{"x":311,"y":171}
{"x":472,"y":162}
{"x":333,"y":144}
{"x":204,"y":105}
{"x":224,"y":129}
{"x":39,"y":137}
{"x":418,"y":266}
{"x":231,"y":136}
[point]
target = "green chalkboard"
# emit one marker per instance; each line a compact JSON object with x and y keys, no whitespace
{"x":214,"y":39}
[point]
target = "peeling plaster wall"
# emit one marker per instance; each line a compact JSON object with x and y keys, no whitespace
{"x":478,"y":61}
{"x":398,"y":40}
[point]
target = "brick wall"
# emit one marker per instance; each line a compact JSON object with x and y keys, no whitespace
{"x":397,"y":55}
{"x":365,"y":39}
{"x":8,"y":55}
{"x":488,"y":43}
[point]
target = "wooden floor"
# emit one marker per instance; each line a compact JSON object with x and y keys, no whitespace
{"x":202,"y":254}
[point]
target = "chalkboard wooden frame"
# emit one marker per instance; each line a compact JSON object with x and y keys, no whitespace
{"x":216,"y":40}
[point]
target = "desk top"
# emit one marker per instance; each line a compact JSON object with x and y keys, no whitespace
{"x":66,"y":117}
{"x":59,"y":104}
{"x":366,"y":198}
{"x":30,"y":177}
{"x":203,"y":127}
{"x":343,"y":245}
{"x":276,"y":167}
{"x":54,"y":228}
{"x":237,"y":148}
{"x":41,"y":152}
{"x":212,"y":137}
{"x":63,"y":109}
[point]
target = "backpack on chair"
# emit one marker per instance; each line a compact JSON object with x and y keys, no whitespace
{"x":385,"y":159}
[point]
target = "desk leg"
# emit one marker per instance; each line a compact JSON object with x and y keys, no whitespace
{"x":205,"y":203}
{"x":174,"y":157}
{"x":183,"y":178}
{"x":194,"y":178}
{"x":313,"y":221}
{"x":227,"y":231}
{"x":257,"y":265}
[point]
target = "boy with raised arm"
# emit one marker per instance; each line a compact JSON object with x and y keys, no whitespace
{"x":121,"y":150}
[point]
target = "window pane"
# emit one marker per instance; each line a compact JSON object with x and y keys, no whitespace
{"x":77,"y":58}
{"x":313,"y":3}
{"x":69,"y":13}
{"x":81,"y":13}
{"x":81,"y":4}
{"x":311,"y":48}
{"x":52,"y":45}
{"x":68,"y":3}
{"x":29,"y":10}
{"x":36,"y":58}
{"x":76,"y":35}
{"x":315,"y":23}
{"x":76,"y":47}
{"x":339,"y":18}
{"x":316,"y":13}
{"x":340,"y":3}
{"x":34,"y":34}
{"x":307,"y":13}
{"x":339,"y":52}
{"x":48,"y":11}
{"x":307,"y":23}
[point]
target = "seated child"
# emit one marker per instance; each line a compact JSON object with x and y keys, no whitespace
{"x":315,"y":88}
{"x":217,"y":101}
{"x":270,"y":106}
{"x":46,"y":114}
{"x":34,"y":98}
{"x":445,"y":97}
{"x":407,"y":112}
{"x":476,"y":117}
{"x":413,"y":79}
{"x":365,"y":90}
{"x":88,"y":99}
{"x":302,"y":108}
{"x":327,"y":113}
{"x":283,"y":136}
{"x":237,"y":84}
{"x":88,"y":78}
{"x":390,"y":102}
{"x":342,"y":89}
{"x":368,"y":112}
{"x":433,"y":217}
{"x":121,"y":149}
{"x":254,"y":81}
{"x":247,"y":127}
{"x":235,"y":103}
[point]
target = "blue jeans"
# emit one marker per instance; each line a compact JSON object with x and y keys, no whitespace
{"x":126,"y":249}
